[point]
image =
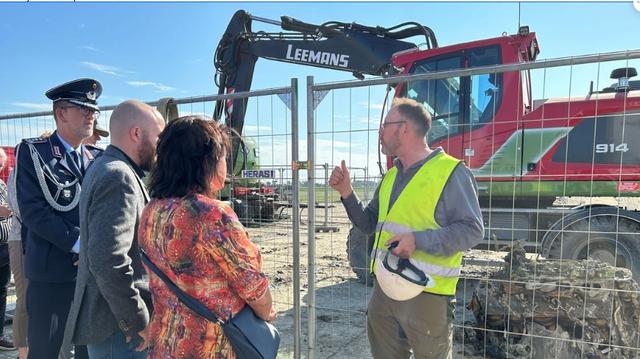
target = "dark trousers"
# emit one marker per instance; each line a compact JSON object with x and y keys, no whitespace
{"x":116,"y":347}
{"x":48,"y":307}
{"x":423,"y":324}
{"x":5,"y":274}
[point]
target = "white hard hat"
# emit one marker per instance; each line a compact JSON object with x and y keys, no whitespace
{"x":400,"y":279}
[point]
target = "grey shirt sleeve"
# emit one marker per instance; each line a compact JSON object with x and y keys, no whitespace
{"x":363,"y":217}
{"x":459,"y":216}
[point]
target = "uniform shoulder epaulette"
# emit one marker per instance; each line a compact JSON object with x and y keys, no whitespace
{"x":35,"y":140}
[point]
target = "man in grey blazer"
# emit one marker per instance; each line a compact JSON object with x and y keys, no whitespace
{"x":111,"y":306}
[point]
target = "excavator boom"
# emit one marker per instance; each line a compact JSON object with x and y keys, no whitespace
{"x":351,"y":47}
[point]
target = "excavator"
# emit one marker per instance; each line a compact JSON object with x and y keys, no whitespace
{"x":524,"y":153}
{"x":339,"y":46}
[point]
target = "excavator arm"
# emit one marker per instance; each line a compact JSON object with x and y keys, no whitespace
{"x":334,"y":45}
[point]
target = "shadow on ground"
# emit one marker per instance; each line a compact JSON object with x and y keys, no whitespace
{"x":341,"y":322}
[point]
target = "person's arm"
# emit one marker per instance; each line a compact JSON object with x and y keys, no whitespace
{"x":4,"y":211}
{"x":263,"y":307}
{"x":35,"y":213}
{"x":238,"y":258}
{"x":458,"y":211}
{"x":111,"y":221}
{"x":363,"y":217}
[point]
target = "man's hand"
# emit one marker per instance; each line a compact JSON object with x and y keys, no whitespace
{"x":4,"y":211}
{"x":145,"y":341}
{"x":406,"y":244}
{"x":272,"y":315}
{"x":341,"y":181}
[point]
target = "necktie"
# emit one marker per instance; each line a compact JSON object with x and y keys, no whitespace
{"x":76,"y":160}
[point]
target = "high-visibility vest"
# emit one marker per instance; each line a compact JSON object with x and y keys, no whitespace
{"x":414,"y":211}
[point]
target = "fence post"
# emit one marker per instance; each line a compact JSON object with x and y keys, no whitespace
{"x":311,"y":233}
{"x":326,"y":227}
{"x":326,"y":194}
{"x":295,"y":193}
{"x":366,"y":184}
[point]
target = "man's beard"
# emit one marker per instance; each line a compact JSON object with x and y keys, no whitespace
{"x":147,"y":155}
{"x":390,"y":147}
{"x":83,"y":133}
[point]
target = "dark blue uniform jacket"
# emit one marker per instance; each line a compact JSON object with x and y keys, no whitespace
{"x":49,"y":233}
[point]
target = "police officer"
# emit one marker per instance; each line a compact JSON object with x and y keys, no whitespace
{"x":49,"y":175}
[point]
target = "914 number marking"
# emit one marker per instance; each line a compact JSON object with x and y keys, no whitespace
{"x":611,"y":147}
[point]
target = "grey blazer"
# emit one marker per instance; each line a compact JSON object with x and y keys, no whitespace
{"x":111,"y":280}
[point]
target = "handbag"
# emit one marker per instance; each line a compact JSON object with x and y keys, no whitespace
{"x":250,"y":336}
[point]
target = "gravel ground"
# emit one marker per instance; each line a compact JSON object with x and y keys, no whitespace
{"x":340,"y":300}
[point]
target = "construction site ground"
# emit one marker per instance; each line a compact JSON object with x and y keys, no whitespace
{"x":341,"y":301}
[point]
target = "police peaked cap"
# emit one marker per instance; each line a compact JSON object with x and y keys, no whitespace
{"x":99,"y":130}
{"x":81,"y":92}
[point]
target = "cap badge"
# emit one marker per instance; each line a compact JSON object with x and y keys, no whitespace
{"x":91,"y":95}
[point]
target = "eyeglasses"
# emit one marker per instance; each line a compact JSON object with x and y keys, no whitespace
{"x":86,"y":111}
{"x":385,"y":124}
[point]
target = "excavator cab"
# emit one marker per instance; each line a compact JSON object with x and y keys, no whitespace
{"x":466,"y":110}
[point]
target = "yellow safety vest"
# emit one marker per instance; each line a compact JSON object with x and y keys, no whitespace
{"x":414,"y":211}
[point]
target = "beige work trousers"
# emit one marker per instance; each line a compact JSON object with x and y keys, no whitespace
{"x":423,"y":324}
{"x":20,"y":316}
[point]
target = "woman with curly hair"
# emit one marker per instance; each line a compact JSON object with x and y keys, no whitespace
{"x":198,"y":242}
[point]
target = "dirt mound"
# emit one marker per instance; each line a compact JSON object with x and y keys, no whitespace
{"x":551,"y":308}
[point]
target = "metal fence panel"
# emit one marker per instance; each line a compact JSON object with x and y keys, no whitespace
{"x":510,"y":303}
{"x":271,"y":126}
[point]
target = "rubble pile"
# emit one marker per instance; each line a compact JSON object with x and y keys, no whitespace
{"x":556,"y":308}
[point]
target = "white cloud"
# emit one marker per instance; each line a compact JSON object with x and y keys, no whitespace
{"x":90,"y":48}
{"x":107,"y":69}
{"x":33,"y":106}
{"x":156,"y":85}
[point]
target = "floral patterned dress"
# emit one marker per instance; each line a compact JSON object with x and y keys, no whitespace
{"x":201,"y":246}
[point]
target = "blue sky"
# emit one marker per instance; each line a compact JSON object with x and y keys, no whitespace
{"x":153,"y":50}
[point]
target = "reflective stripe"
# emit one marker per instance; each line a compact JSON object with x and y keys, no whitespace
{"x":428,"y":268}
{"x":414,"y":210}
{"x":394,"y":228}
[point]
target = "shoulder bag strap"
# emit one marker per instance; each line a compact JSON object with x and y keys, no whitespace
{"x":192,"y":303}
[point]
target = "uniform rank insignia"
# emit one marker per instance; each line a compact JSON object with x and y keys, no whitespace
{"x":35,"y":140}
